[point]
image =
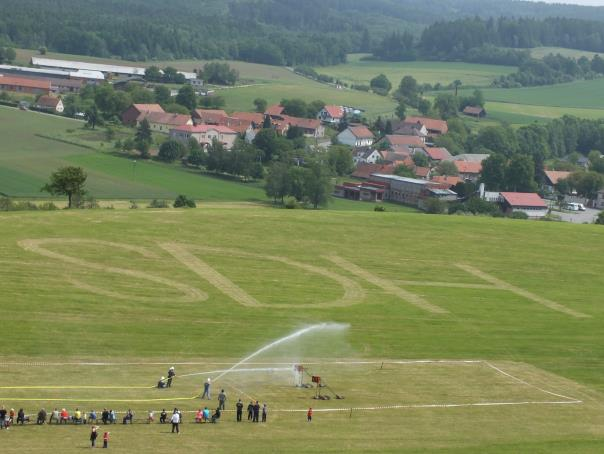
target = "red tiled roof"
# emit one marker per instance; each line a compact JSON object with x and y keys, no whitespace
{"x":334,"y":111}
{"x":23,"y":82}
{"x":437,"y":154}
{"x":210,"y":115}
{"x":204,"y":129}
{"x":468,"y":167}
{"x":421,"y":172}
{"x":169,"y":119}
{"x":148,"y":108}
{"x":361,"y":132}
{"x":554,"y":176}
{"x":277,"y":109}
{"x":473,"y":110}
{"x":446,"y":180}
{"x":524,"y":199}
{"x":365,"y":170}
{"x":430,"y":123}
{"x":396,"y":140}
{"x":256,"y":117}
{"x":304,"y":123}
{"x":48,"y":101}
{"x":237,"y":124}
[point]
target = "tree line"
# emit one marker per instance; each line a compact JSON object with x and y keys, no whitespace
{"x":504,"y":41}
{"x":518,"y":157}
{"x":206,"y":29}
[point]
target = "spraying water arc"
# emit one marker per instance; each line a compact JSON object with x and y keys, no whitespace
{"x":292,"y":336}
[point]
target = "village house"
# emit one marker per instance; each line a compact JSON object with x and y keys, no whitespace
{"x":137,"y":111}
{"x":412,"y":191}
{"x":447,"y":181}
{"x":367,"y":192}
{"x":423,"y":173}
{"x":433,"y":127}
{"x":469,"y":157}
{"x":401,"y":155}
{"x":434,"y":154}
{"x":209,"y":116}
{"x":50,"y":103}
{"x":356,"y":136}
{"x":310,"y":127}
{"x":254,"y":117}
{"x":366,"y":155}
{"x":468,"y":171}
{"x":552,"y":177}
{"x":475,"y":111}
{"x":331,"y":114}
{"x":275,"y":111}
{"x":526,"y":202}
{"x":164,"y":122}
{"x":205,"y":134}
{"x":24,"y":85}
{"x":364,"y":171}
{"x":411,"y":142}
{"x":402,"y":128}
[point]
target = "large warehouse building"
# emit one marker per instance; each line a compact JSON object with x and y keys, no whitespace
{"x":130,"y":71}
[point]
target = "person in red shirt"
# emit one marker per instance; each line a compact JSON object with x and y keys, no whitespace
{"x":64,"y":416}
{"x":309,"y":414}
{"x":106,"y":440}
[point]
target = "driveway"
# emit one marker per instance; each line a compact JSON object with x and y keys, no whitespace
{"x":578,"y":217}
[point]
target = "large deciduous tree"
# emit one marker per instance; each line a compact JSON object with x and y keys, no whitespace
{"x":69,"y":181}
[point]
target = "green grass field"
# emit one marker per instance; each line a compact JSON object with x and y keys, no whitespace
{"x":540,"y":52}
{"x":582,"y":99}
{"x":26,"y":161}
{"x":97,"y":304}
{"x":361,"y":71}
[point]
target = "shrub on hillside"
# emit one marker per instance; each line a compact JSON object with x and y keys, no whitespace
{"x":435,"y":206}
{"x":379,"y":208}
{"x":600,"y":218}
{"x":291,"y":203}
{"x":519,"y":215}
{"x":182,"y":201}
{"x":171,"y":150}
{"x":155,"y":203}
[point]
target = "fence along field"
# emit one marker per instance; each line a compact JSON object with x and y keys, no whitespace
{"x":111,"y":308}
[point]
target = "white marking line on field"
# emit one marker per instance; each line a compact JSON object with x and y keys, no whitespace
{"x":240,"y":391}
{"x":498,"y":283}
{"x":519,"y":380}
{"x":568,"y":401}
{"x":411,"y":406}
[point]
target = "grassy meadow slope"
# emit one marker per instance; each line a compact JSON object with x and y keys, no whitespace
{"x":65,"y":301}
{"x":28,"y":156}
{"x":360,"y":71}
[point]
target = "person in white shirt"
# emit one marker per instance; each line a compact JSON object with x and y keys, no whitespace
{"x":175,"y":420}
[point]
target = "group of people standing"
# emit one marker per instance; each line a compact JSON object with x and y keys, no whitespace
{"x":253,"y":411}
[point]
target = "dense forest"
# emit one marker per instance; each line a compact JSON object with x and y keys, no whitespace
{"x":290,"y":32}
{"x":453,"y":40}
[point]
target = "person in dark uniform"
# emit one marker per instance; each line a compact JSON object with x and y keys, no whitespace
{"x":239,"y":406}
{"x":250,"y":411}
{"x":171,"y":375}
{"x":256,"y":412}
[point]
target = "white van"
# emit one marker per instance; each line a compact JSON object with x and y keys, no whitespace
{"x":571,"y":206}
